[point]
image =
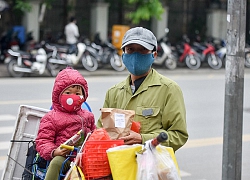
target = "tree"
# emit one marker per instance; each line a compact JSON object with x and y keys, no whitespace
{"x":25,"y":6}
{"x":145,"y":9}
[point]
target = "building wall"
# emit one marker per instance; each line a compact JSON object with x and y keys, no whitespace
{"x":54,"y":23}
{"x":184,"y":17}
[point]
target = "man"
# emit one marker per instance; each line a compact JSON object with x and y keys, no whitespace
{"x":72,"y":33}
{"x":157,"y":100}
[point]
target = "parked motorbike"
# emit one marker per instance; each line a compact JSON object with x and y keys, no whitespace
{"x":100,"y":55}
{"x":222,"y":52}
{"x":186,"y":54}
{"x":59,"y":55}
{"x":164,"y":53}
{"x":206,"y":52}
{"x":8,"y":41}
{"x":20,"y":63}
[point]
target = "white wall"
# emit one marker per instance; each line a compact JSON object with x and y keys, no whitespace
{"x":158,"y":26}
{"x":99,"y":19}
{"x":217,"y":23}
{"x":30,"y":20}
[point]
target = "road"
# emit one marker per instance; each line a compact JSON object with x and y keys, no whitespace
{"x":199,"y":159}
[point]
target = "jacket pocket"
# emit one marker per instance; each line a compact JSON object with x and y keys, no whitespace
{"x":147,"y":112}
{"x":149,"y":118}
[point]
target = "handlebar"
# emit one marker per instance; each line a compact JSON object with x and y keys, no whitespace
{"x":160,"y":138}
{"x":156,"y":141}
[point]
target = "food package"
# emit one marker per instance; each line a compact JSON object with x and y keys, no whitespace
{"x":117,"y":122}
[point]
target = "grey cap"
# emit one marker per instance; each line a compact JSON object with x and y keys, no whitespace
{"x":140,"y":35}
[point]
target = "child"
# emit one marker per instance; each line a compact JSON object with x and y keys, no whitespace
{"x":64,"y":120}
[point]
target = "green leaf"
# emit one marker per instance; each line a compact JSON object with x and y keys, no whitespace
{"x":23,"y":6}
{"x":145,"y":10}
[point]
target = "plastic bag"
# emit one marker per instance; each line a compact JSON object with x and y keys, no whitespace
{"x":136,"y":126}
{"x":75,"y":173}
{"x":122,"y":161}
{"x":99,"y":134}
{"x":147,"y":169}
{"x":157,"y":163}
{"x":75,"y":140}
{"x":166,"y":168}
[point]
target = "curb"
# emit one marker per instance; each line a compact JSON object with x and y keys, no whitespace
{"x":107,"y":71}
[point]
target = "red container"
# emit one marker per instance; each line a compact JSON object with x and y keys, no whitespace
{"x":95,"y":160}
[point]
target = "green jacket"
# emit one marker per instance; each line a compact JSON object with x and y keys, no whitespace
{"x":158,"y":104}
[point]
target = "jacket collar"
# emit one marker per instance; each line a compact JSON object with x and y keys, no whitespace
{"x":152,"y":79}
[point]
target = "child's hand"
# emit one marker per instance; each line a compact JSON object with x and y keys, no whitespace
{"x":61,"y":152}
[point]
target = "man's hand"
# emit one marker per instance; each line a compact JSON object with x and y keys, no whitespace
{"x":61,"y":152}
{"x":132,"y":138}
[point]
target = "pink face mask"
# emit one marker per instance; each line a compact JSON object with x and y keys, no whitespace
{"x":71,"y":102}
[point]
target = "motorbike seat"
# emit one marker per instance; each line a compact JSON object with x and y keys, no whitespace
{"x":23,"y":53}
{"x":60,"y":48}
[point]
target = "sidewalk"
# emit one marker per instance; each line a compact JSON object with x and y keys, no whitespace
{"x":108,"y":71}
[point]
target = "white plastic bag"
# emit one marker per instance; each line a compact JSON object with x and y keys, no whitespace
{"x":156,"y":163}
{"x":146,"y":164}
{"x":166,"y":168}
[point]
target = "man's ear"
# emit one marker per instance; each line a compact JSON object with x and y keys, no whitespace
{"x":155,"y":54}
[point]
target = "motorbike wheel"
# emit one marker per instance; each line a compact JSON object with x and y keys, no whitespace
{"x":11,"y":71}
{"x":89,"y":62}
{"x":247,"y":60}
{"x":193,"y":62}
{"x":116,"y":62}
{"x":171,"y":62}
{"x":214,"y":62}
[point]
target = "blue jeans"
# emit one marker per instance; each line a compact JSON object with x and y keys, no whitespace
{"x":72,"y":49}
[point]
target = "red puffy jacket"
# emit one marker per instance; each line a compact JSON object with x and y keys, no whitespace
{"x":58,"y":125}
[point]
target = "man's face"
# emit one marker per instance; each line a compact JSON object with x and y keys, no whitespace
{"x":131,"y":48}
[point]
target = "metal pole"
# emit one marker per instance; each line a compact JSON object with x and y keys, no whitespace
{"x":234,"y":90}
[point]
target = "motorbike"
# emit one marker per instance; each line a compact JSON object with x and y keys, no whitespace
{"x":164,"y":53}
{"x":186,"y":54}
{"x":8,"y":41}
{"x":20,"y":63}
{"x":100,"y":55}
{"x":60,"y":55}
{"x":222,"y":52}
{"x":206,"y":52}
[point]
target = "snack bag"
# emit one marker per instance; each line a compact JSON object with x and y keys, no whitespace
{"x":75,"y":140}
{"x":136,"y":126}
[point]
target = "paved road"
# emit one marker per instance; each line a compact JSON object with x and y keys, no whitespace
{"x":203,"y":89}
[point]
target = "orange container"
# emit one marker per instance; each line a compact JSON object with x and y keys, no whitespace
{"x":118,"y":32}
{"x":95,"y":160}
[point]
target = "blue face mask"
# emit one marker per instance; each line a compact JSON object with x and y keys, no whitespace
{"x":137,"y":63}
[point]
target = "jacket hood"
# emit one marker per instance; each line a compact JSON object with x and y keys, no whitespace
{"x":66,"y":78}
